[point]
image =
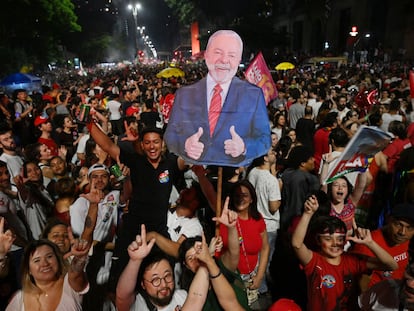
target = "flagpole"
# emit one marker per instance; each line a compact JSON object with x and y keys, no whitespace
{"x":218,"y":199}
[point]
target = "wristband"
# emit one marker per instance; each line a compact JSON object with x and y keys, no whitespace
{"x":215,"y":276}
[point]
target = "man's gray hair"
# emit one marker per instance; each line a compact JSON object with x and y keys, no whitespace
{"x":226,"y":32}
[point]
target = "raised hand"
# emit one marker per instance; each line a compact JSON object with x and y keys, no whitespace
{"x":311,"y":205}
{"x":360,"y":236}
{"x":6,"y":238}
{"x":125,"y":169}
{"x":202,"y":250}
{"x":216,"y":244}
{"x":131,"y":132}
{"x":140,"y":248}
{"x":234,"y":146}
{"x":79,"y":247}
{"x":228,"y":217}
{"x":193,"y":147}
{"x":94,"y":195}
{"x":63,"y":151}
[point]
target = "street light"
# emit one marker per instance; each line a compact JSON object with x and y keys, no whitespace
{"x":135,"y":8}
{"x":141,"y":29}
{"x":354,"y":33}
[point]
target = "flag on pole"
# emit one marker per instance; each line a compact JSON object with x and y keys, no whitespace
{"x":258,"y":74}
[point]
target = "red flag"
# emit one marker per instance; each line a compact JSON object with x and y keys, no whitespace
{"x":258,"y":74}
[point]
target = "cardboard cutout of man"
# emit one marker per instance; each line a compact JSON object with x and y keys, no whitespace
{"x":233,"y":133}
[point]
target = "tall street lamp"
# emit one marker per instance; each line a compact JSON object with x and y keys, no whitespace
{"x":135,"y":8}
{"x":353,"y":33}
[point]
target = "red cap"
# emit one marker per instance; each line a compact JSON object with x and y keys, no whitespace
{"x":284,"y":304}
{"x":131,"y":110}
{"x":40,"y":120}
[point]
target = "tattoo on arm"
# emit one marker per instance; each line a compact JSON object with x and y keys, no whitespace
{"x":197,"y":294}
{"x":88,"y":222}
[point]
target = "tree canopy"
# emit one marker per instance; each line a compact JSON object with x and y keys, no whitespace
{"x":253,"y":20}
{"x":33,"y":31}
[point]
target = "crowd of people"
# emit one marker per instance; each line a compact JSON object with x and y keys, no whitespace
{"x":96,"y":213}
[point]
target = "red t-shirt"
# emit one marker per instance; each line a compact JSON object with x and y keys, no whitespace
{"x":398,"y":252}
{"x":250,"y":231}
{"x":393,"y":150}
{"x":331,"y":286}
{"x":320,"y":144}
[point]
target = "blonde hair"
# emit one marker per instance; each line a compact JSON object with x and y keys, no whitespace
{"x":28,"y":282}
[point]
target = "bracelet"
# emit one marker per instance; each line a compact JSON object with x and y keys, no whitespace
{"x":215,"y":276}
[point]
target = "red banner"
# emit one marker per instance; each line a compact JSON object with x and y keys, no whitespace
{"x":258,"y":74}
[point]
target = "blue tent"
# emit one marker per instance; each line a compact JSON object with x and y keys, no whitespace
{"x":21,"y":81}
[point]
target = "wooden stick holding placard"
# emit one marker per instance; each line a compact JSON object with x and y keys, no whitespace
{"x":218,"y":198}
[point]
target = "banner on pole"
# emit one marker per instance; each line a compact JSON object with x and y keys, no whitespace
{"x":359,"y":152}
{"x":257,"y":73}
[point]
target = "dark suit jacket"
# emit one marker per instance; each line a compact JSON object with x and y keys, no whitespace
{"x":244,"y":107}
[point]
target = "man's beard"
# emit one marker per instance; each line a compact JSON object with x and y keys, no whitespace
{"x":164,"y":301}
{"x":9,"y":148}
{"x":223,"y":77}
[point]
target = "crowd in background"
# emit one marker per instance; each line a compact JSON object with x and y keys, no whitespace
{"x":62,"y":181}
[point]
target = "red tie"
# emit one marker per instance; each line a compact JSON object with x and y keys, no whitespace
{"x":215,"y":108}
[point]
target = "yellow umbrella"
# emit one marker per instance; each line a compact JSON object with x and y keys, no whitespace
{"x":285,"y":66}
{"x":170,"y":72}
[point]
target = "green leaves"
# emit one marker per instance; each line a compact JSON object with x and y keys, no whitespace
{"x":34,"y":28}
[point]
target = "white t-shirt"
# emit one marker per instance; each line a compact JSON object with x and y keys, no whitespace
{"x":14,"y":165}
{"x":178,"y":299}
{"x":107,"y":215}
{"x":82,"y":143}
{"x":267,"y":189}
{"x":315,"y":107}
{"x":387,"y":119}
{"x":179,"y":225}
{"x":113,"y":106}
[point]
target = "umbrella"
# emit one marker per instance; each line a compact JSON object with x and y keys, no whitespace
{"x":21,"y":81}
{"x":170,"y":72}
{"x":285,"y":66}
{"x":18,"y":78}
